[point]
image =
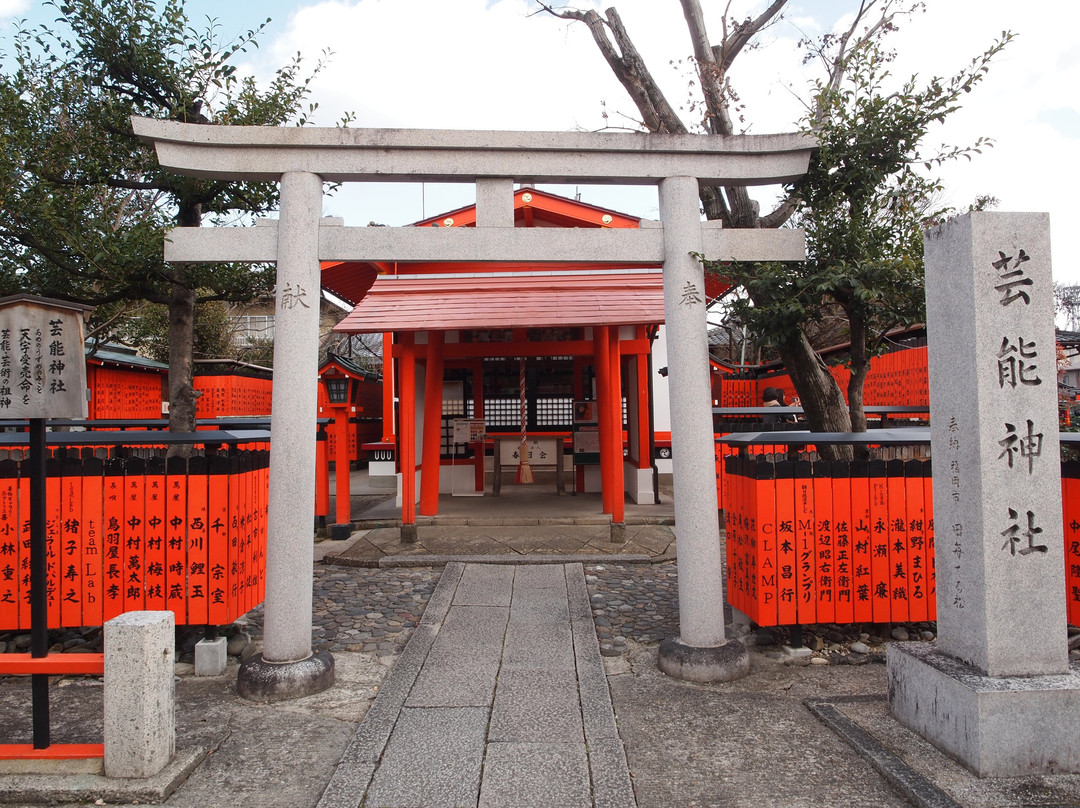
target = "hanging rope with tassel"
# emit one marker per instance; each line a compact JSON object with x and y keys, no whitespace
{"x":524,"y":474}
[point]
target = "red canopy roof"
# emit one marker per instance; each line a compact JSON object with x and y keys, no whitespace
{"x":578,"y":300}
{"x":350,"y":280}
{"x":501,"y":301}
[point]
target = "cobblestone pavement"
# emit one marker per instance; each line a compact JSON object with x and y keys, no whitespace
{"x":376,"y":610}
{"x":372,"y":610}
{"x":638,"y":602}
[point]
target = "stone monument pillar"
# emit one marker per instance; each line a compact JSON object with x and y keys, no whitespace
{"x":701,"y":652}
{"x":140,"y":694}
{"x":286,"y":668}
{"x":995,"y":691}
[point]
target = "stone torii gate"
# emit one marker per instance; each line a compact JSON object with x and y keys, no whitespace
{"x":302,"y":159}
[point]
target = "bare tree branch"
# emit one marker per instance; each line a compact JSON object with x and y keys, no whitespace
{"x":733,"y":206}
{"x":740,"y":37}
{"x":629,"y":68}
{"x":713,"y":63}
{"x":778,"y":216}
{"x":710,"y":76}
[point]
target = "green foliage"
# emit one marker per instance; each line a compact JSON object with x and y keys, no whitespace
{"x":258,"y":352}
{"x":863,"y":205}
{"x":148,"y":327}
{"x":83,"y":203}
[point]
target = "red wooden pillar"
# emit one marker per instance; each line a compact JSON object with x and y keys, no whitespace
{"x":342,"y":493}
{"x":433,"y":396}
{"x":579,"y":395}
{"x":322,"y":474}
{"x":407,"y":431}
{"x":618,"y":485}
{"x":603,"y":409}
{"x":644,"y":461}
{"x":388,"y":388}
{"x":478,"y":412}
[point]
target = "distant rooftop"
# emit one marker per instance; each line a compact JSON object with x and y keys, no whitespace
{"x":113,"y":353}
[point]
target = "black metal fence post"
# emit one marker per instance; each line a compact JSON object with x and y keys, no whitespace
{"x":39,"y":616}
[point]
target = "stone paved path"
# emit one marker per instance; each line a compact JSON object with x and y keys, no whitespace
{"x":510,"y":537}
{"x":376,"y":610}
{"x":499,"y":698}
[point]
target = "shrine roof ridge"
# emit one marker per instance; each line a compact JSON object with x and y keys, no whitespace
{"x":48,"y":302}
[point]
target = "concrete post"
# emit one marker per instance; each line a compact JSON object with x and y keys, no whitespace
{"x":995,"y":691}
{"x":495,"y":202}
{"x":702,"y":651}
{"x":211,"y":656}
{"x":286,"y":668}
{"x":140,"y":720}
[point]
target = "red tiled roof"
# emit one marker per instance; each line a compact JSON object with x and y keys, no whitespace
{"x":538,"y":301}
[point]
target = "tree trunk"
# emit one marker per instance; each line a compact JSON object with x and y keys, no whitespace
{"x":182,"y":394}
{"x":821,"y":397}
{"x":822,"y":400}
{"x":855,"y":396}
{"x":860,"y":368}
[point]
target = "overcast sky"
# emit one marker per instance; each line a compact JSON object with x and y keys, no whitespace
{"x":497,"y":64}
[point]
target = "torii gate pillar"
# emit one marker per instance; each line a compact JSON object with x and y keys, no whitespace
{"x":287,"y":668}
{"x":701,"y":652}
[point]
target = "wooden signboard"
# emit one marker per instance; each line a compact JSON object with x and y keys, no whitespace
{"x":42,"y":361}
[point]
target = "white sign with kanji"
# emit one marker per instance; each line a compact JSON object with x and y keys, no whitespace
{"x":540,"y":451}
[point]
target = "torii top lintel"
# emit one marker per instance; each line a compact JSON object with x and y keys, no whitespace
{"x":410,"y":155}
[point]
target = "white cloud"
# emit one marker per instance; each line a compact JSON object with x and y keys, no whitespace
{"x":13,"y":8}
{"x":428,"y":63}
{"x":1031,"y":166}
{"x":478,"y":64}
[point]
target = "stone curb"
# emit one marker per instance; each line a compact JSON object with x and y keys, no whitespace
{"x":509,"y":558}
{"x":54,"y":788}
{"x":917,"y":789}
{"x":431,"y":560}
{"x":374,"y":524}
{"x":607,"y":757}
{"x":342,"y":561}
{"x":510,"y":521}
{"x":354,"y":771}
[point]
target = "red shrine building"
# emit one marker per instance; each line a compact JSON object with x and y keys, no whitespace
{"x":561,"y":357}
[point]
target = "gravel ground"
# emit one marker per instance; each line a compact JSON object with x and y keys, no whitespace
{"x":375,"y":610}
